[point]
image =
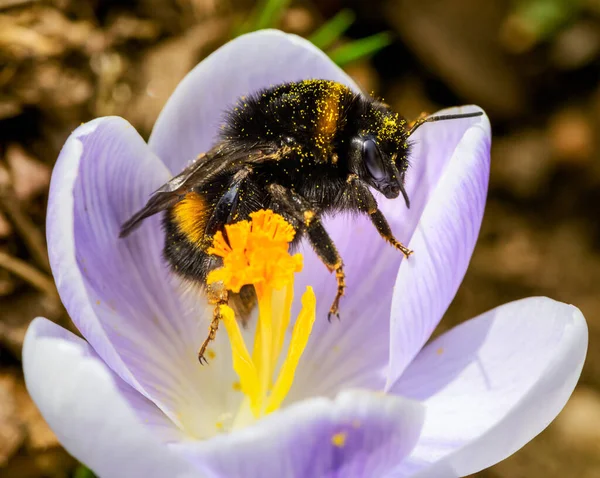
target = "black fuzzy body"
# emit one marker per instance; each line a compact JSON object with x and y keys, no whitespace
{"x":303,"y":150}
{"x":306,"y":129}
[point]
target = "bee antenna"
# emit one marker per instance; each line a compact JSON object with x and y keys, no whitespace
{"x":431,"y":119}
{"x":405,"y":195}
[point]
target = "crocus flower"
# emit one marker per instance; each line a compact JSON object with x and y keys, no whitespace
{"x":368,"y":398}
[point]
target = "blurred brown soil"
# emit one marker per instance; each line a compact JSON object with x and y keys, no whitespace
{"x":63,"y":62}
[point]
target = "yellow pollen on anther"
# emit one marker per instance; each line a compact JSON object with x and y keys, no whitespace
{"x":256,"y":252}
{"x":339,"y":439}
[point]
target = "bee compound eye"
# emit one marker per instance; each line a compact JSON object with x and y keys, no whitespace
{"x":373,"y":160}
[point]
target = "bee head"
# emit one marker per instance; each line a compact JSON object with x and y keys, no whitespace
{"x":380,"y":146}
{"x":381,"y":166}
{"x":378,"y":150}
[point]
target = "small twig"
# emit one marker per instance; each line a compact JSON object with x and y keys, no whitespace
{"x":25,"y":227}
{"x":36,"y":278}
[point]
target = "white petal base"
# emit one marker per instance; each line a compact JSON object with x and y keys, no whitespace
{"x":80,"y":399}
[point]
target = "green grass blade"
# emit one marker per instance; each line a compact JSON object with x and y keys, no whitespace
{"x":360,"y":48}
{"x":326,"y":36}
{"x":268,"y":13}
{"x":83,"y":472}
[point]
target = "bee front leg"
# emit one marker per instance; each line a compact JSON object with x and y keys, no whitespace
{"x":367,"y":203}
{"x":298,"y":208}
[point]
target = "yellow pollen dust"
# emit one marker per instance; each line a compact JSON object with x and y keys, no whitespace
{"x":389,"y":127}
{"x":339,"y":439}
{"x":257,"y":252}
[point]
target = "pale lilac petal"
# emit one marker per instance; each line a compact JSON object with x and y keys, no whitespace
{"x":119,"y":292}
{"x":81,"y":400}
{"x":447,"y":182}
{"x":443,"y":243}
{"x":379,"y":432}
{"x":493,"y":383}
{"x":189,"y":123}
{"x":439,"y":469}
{"x":68,"y":211}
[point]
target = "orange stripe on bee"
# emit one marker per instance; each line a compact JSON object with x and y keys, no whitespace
{"x":190,"y":215}
{"x":328,"y":113}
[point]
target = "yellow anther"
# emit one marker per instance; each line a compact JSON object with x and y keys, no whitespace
{"x":271,"y":227}
{"x":300,"y":335}
{"x":242,"y":362}
{"x":255,"y":253}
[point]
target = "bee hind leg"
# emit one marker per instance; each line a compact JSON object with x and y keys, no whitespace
{"x":300,"y":210}
{"x":217,"y":296}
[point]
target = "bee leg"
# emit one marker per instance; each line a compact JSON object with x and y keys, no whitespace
{"x":327,"y":252}
{"x":382,"y":226}
{"x":226,"y":208}
{"x":224,"y":213}
{"x":217,"y":296}
{"x":341,"y":289}
{"x":367,"y":203}
{"x":299,"y":209}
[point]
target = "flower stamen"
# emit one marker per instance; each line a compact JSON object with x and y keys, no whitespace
{"x":256,"y":252}
{"x":300,"y":335}
{"x":242,"y":362}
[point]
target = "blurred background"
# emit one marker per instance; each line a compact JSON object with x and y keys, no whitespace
{"x":533,"y":65}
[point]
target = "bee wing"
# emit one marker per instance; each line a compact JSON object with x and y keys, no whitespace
{"x":202,"y":165}
{"x":202,"y":170}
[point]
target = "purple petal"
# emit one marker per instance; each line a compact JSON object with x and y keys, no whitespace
{"x":75,"y":206}
{"x":119,"y":292}
{"x":190,"y":121}
{"x":447,"y":182}
{"x":81,"y":400}
{"x":493,"y":383}
{"x":376,"y":433}
{"x":443,"y":241}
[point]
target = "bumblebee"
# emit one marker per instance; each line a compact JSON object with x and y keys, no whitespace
{"x":302,"y":149}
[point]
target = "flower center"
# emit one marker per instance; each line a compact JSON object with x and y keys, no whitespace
{"x":256,"y":252}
